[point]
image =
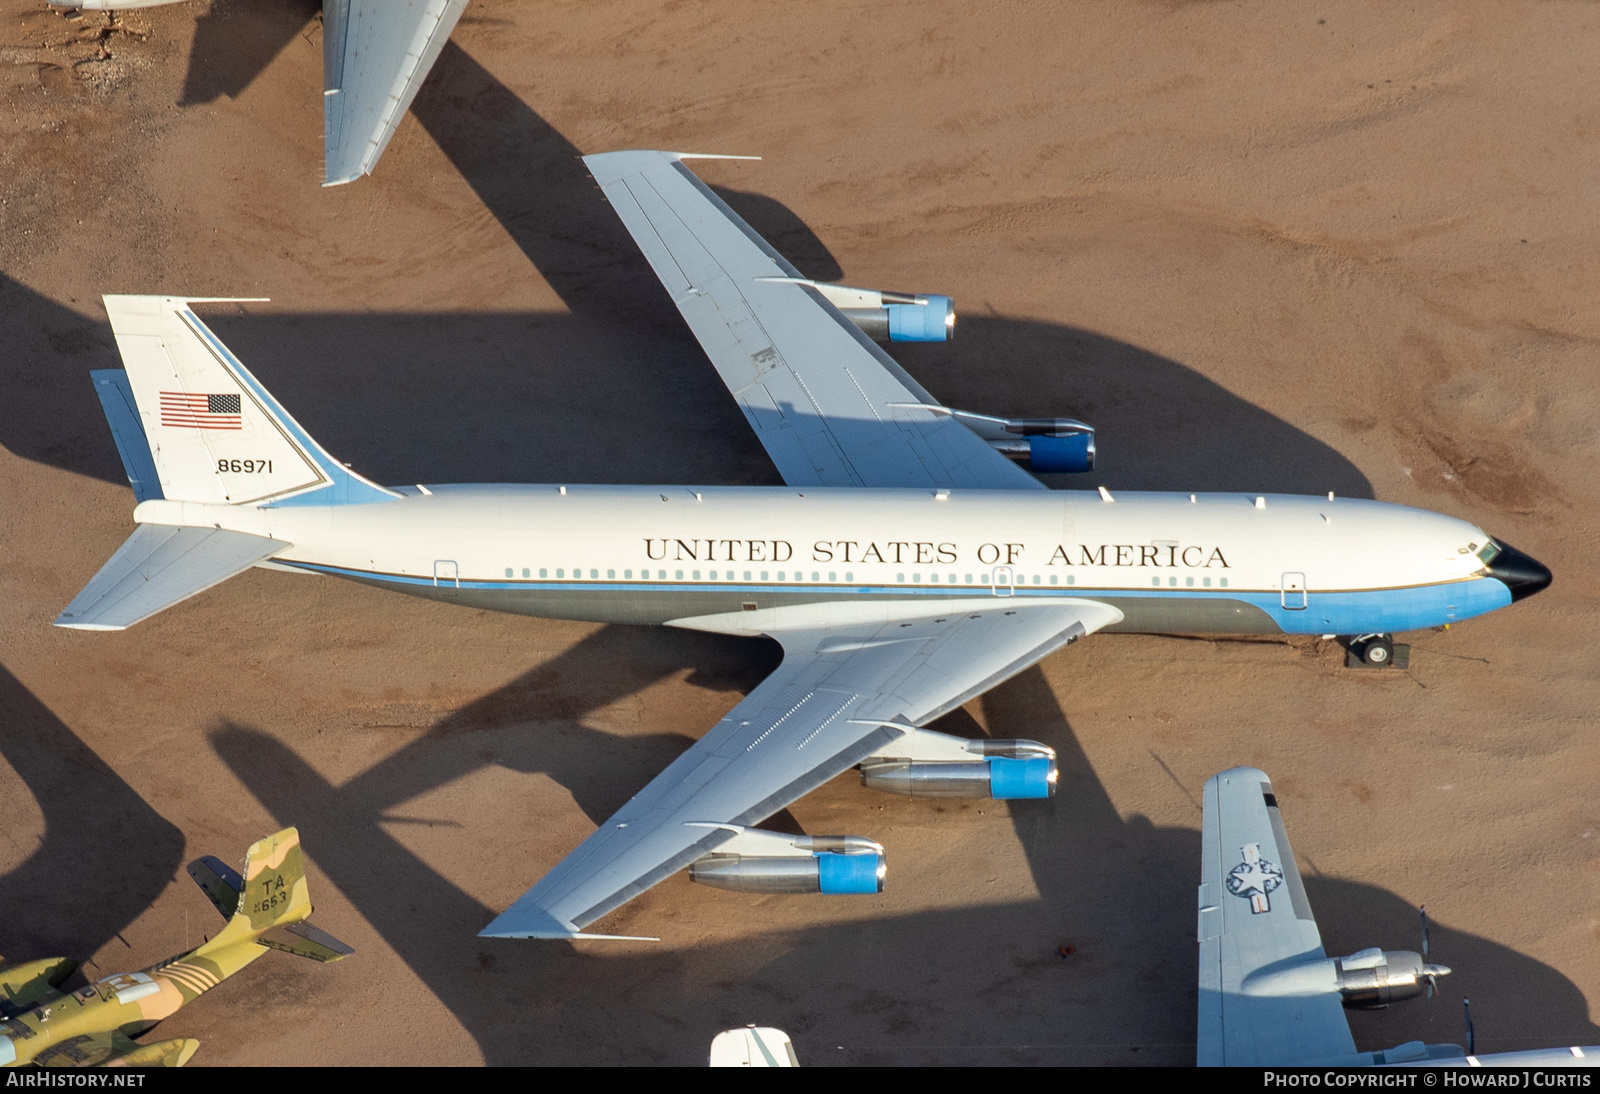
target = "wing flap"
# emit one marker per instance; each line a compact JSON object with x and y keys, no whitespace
{"x":159,"y":566}
{"x":840,"y":696}
{"x":831,"y":408}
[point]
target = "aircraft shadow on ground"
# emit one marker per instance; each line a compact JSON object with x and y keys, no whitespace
{"x":616,"y":389}
{"x":883,"y":989}
{"x":234,"y":42}
{"x":628,"y":396}
{"x":105,"y":855}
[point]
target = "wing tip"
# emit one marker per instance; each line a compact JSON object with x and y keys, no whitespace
{"x":539,"y":923}
{"x":562,"y":936}
{"x":1243,"y":771}
{"x":598,"y":160}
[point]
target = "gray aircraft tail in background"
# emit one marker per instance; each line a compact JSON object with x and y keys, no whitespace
{"x":375,"y":55}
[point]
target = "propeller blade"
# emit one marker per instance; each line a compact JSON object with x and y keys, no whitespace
{"x":1466,"y":1013}
{"x":1424,"y":910}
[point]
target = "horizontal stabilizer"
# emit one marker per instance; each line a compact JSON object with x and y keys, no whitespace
{"x":220,"y":882}
{"x":157,"y":567}
{"x":122,"y":415}
{"x":304,"y":940}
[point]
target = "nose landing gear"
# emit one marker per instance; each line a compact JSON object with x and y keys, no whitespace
{"x":1374,"y":651}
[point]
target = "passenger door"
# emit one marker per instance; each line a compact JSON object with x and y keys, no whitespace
{"x":1293,"y":592}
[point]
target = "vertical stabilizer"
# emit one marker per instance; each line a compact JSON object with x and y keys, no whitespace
{"x":275,"y":891}
{"x":214,"y":433}
{"x":274,"y":894}
{"x":269,"y":901}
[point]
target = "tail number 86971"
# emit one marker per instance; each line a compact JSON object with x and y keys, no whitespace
{"x":246,"y":467}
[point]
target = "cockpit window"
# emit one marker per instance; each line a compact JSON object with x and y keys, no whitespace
{"x":1488,"y":551}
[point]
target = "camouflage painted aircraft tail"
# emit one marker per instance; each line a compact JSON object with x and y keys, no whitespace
{"x":266,"y":908}
{"x":268,"y":905}
{"x":195,"y":430}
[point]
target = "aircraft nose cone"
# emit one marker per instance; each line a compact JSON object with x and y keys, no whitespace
{"x":1520,"y":573}
{"x":1436,"y":970}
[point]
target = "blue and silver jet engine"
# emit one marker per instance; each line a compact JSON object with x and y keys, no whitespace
{"x":892,"y":316}
{"x":1049,"y":444}
{"x":925,"y":764}
{"x":1045,"y":444}
{"x":756,"y":861}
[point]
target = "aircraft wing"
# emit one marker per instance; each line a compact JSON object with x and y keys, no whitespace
{"x":831,"y":408}
{"x":843,"y":693}
{"x":375,"y":54}
{"x":1254,"y":916}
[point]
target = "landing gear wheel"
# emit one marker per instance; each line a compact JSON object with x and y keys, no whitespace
{"x":1378,"y":652}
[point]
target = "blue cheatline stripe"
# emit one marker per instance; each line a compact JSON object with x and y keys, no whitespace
{"x":344,"y":488}
{"x":1361,"y":612}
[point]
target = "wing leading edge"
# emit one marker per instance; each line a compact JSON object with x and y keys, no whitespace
{"x":841,"y":695}
{"x":830,"y":407}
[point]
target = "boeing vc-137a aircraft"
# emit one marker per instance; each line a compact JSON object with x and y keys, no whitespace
{"x":907,"y":567}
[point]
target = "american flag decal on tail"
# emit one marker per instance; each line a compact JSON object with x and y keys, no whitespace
{"x":183,"y":411}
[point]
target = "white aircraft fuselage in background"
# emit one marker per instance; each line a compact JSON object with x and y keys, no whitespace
{"x":1206,"y":563}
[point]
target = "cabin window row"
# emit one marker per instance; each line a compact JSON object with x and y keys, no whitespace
{"x":916,"y":578}
{"x":679,"y":575}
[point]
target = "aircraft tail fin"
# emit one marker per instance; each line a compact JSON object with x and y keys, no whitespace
{"x":211,"y":431}
{"x":271,"y":903}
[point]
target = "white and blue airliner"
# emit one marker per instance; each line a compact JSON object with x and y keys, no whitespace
{"x":909,"y":564}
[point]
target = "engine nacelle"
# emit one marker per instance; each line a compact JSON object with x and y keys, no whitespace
{"x":1011,"y":770}
{"x":835,"y":865}
{"x":1372,"y":979}
{"x":1048,"y":444}
{"x":893,"y":316}
{"x":1366,"y":980}
{"x":1073,"y":453}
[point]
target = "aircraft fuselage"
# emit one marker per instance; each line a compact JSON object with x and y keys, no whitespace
{"x":1206,"y":563}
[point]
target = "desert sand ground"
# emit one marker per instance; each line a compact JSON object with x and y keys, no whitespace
{"x":1262,"y":246}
